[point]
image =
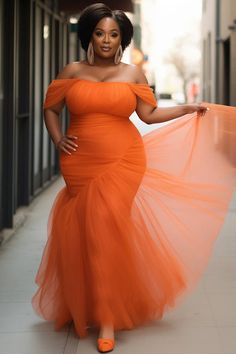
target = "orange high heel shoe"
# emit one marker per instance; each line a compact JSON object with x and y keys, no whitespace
{"x":105,"y":345}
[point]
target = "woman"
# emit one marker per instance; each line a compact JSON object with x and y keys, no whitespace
{"x":123,"y":235}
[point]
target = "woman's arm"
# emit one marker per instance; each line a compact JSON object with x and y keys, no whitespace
{"x":152,"y":115}
{"x":52,"y":121}
{"x":162,"y":114}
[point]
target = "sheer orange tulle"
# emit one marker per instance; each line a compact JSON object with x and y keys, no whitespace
{"x":133,"y":228}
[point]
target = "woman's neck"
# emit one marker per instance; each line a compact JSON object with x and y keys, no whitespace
{"x":103,"y":62}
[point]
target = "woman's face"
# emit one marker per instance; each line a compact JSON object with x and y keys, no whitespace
{"x":106,"y":38}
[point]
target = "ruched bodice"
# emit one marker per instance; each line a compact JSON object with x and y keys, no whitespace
{"x":133,"y":228}
{"x":113,"y":100}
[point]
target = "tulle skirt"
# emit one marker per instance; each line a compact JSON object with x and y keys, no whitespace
{"x":134,"y":227}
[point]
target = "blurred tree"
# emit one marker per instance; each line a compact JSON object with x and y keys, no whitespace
{"x":184,"y":55}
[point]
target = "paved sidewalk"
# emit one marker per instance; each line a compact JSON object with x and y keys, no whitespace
{"x":204,"y":324}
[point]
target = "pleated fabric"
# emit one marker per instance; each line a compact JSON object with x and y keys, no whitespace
{"x":132,"y":230}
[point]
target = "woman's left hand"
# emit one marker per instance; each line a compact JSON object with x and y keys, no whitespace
{"x":201,"y":110}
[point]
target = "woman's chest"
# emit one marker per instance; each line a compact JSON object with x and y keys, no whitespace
{"x":102,"y":97}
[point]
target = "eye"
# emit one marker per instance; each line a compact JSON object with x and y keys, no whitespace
{"x":114,"y":34}
{"x":98,"y":33}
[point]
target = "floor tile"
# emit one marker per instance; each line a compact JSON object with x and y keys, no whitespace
{"x":223,"y":307}
{"x":33,"y":343}
{"x":228,"y":339}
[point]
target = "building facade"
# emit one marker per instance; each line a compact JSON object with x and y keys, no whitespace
{"x":219,"y":65}
{"x":36,"y":41}
{"x":218,"y":76}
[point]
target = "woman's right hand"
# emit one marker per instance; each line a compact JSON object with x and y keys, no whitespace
{"x":66,"y":143}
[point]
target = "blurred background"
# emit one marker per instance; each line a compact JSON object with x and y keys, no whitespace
{"x":187,"y":49}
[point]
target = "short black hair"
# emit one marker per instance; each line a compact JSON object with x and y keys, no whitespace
{"x":92,"y":14}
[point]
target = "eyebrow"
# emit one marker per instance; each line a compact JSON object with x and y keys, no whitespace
{"x":114,"y":29}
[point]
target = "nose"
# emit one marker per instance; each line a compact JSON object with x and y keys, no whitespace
{"x":106,"y":38}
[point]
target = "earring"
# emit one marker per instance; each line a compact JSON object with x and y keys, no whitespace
{"x":118,"y":55}
{"x":90,"y":53}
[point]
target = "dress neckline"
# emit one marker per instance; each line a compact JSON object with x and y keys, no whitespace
{"x":103,"y":82}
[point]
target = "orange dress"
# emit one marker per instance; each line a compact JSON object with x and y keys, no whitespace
{"x":133,"y":228}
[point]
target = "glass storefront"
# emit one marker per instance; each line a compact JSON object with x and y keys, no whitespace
{"x":34,"y":46}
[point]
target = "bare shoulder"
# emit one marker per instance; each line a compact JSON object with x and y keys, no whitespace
{"x":70,"y":70}
{"x":136,"y":73}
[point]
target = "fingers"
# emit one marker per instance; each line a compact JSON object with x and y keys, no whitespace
{"x":204,"y":107}
{"x":64,"y":147}
{"x":201,"y":111}
{"x":72,"y":136}
{"x":66,"y":144}
{"x":65,"y":150}
{"x":71,"y":142}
